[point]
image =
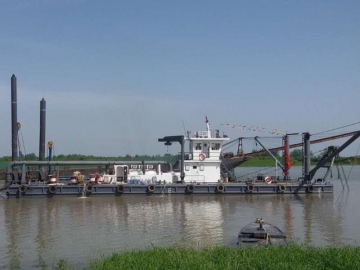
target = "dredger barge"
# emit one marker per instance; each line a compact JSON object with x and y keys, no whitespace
{"x":200,"y":170}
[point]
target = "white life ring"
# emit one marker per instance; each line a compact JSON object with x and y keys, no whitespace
{"x":202,"y":156}
{"x":268,"y":180}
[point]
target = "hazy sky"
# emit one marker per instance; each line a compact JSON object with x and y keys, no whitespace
{"x":117,"y":75}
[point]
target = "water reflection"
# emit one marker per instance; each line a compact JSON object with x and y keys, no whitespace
{"x":40,"y":231}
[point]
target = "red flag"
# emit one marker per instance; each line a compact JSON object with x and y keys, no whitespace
{"x":288,"y":163}
{"x":206,"y":120}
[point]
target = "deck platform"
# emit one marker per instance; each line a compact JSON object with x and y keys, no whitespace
{"x":284,"y":188}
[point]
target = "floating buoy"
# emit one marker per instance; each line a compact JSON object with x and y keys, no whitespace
{"x":268,"y":180}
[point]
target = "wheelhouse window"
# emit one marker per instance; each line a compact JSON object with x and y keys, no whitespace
{"x":198,"y":146}
{"x":215,"y":146}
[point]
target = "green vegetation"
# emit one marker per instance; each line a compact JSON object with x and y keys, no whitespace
{"x":292,"y":257}
{"x":296,"y":155}
{"x":3,"y":165}
{"x":263,"y":160}
{"x":75,"y":157}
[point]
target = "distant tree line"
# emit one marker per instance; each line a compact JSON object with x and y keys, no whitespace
{"x":74,"y":157}
{"x":295,"y":155}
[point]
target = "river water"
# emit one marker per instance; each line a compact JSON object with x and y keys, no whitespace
{"x":38,"y":231}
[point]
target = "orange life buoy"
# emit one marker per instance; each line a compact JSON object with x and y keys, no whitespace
{"x":268,"y":180}
{"x":202,"y":156}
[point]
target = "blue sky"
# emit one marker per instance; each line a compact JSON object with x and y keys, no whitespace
{"x":117,"y":75}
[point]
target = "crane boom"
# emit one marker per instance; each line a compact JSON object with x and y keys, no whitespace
{"x":300,"y":144}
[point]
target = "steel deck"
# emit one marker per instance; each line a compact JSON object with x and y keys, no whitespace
{"x":42,"y":190}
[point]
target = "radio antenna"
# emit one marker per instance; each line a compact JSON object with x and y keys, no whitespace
{"x":184,"y":127}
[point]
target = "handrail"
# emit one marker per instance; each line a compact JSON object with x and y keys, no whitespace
{"x":195,"y":176}
{"x":59,"y":163}
{"x":208,"y":155}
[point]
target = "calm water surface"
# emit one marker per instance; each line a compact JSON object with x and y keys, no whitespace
{"x":37,"y":232}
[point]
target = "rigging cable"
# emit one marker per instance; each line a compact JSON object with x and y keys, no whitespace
{"x":336,"y":128}
{"x":23,"y":155}
{"x":53,"y":158}
{"x":346,"y":178}
{"x":353,"y":163}
{"x":23,"y":143}
{"x":18,"y":146}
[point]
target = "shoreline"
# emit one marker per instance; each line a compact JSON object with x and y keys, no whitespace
{"x":290,"y":257}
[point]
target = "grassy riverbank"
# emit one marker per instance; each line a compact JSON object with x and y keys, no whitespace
{"x":293,"y":257}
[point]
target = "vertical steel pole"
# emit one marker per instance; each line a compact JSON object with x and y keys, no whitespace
{"x":42,"y":134}
{"x":143,"y":167}
{"x":286,"y":144}
{"x":182,"y":169}
{"x":14,"y":125}
{"x":306,"y":161}
{"x":50,"y":157}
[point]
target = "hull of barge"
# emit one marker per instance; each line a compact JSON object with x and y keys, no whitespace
{"x":17,"y":191}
